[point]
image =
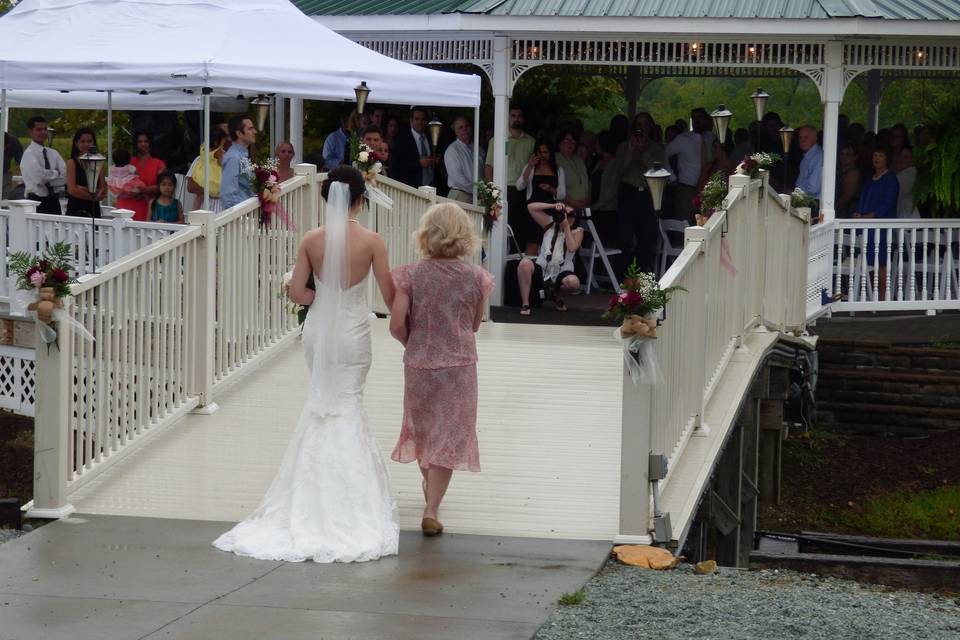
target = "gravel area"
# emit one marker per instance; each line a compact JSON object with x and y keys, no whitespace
{"x":628,"y":603}
{"x":6,"y":535}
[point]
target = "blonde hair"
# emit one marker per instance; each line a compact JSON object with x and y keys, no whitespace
{"x":446,"y":231}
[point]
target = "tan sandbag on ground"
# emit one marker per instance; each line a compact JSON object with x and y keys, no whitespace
{"x":645,"y":556}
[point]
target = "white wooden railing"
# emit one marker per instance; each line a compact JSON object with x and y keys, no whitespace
{"x":744,"y":271}
{"x":877,"y":265}
{"x":97,"y":242}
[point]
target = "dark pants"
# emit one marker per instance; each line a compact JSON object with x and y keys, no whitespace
{"x":519,"y":217}
{"x":638,"y":228}
{"x":48,"y":204}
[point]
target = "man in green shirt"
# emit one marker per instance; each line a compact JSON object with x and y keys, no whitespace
{"x":519,"y":149}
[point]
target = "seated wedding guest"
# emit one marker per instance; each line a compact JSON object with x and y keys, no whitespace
{"x":123,"y":179}
{"x":82,"y":199}
{"x":542,"y":181}
{"x":219,"y":142}
{"x":878,"y":199}
{"x":553,"y":270}
{"x":44,"y":171}
{"x":459,"y":162}
{"x":12,"y":152}
{"x":148,"y":168}
{"x":576,"y":178}
{"x":284,"y":154}
{"x":165,"y":207}
{"x":438,"y":307}
{"x":413,"y":159}
{"x":336,"y":147}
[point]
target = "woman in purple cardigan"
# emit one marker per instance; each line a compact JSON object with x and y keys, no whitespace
{"x":878,"y":199}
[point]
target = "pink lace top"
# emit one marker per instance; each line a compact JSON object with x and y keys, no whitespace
{"x":444,"y":295}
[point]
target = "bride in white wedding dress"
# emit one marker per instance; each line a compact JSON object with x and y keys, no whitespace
{"x":330,"y":500}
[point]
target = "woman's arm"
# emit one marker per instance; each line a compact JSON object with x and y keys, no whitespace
{"x":561,"y":192}
{"x":542,"y":211}
{"x":73,"y":188}
{"x":572,"y":238}
{"x":297,"y":290}
{"x":180,"y":218}
{"x":398,"y":317}
{"x":154,"y":190}
{"x":478,"y":314}
{"x":381,"y":271}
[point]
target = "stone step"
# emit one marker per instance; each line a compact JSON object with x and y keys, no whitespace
{"x":882,"y":376}
{"x":882,"y":399}
{"x":900,"y":419}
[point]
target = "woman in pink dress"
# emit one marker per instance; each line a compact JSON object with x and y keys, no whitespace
{"x":437,"y":309}
{"x":148,"y":168}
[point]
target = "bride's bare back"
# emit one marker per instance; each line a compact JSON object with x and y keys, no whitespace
{"x":365,"y":248}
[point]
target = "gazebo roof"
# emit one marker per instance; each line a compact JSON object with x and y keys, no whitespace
{"x":814,"y":9}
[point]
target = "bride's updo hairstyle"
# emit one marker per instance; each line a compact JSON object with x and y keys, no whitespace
{"x":446,"y":231}
{"x":349,"y":176}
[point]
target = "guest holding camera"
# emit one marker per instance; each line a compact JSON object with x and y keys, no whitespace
{"x":553,"y":269}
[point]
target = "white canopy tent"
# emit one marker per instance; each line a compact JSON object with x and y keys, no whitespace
{"x":222,"y":46}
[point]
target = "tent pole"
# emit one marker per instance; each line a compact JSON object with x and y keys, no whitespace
{"x":3,"y":134}
{"x":476,"y":151}
{"x":296,"y":128}
{"x":206,"y":146}
{"x":273,"y":125}
{"x":109,"y":138}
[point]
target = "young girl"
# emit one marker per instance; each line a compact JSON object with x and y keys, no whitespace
{"x":438,"y":307}
{"x":166,"y":208}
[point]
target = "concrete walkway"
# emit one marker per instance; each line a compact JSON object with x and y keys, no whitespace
{"x":125,"y":578}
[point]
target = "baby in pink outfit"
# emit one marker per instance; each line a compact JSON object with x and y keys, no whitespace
{"x":123,"y":180}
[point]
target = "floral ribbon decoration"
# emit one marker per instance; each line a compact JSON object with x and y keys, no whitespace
{"x":48,"y":277}
{"x":491,"y":199}
{"x":370,"y":164}
{"x":265,"y":179}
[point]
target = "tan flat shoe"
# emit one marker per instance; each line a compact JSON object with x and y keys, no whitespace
{"x":431,"y":527}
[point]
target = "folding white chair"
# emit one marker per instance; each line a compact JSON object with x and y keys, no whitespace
{"x":589,"y":256}
{"x":666,"y":249}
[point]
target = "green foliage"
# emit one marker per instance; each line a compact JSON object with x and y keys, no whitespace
{"x":70,"y":120}
{"x":932,"y":515}
{"x":714,"y":191}
{"x":938,"y":175}
{"x":6,"y":5}
{"x":641,"y":295}
{"x":575,"y":598}
{"x":54,"y":264}
{"x":800,"y":198}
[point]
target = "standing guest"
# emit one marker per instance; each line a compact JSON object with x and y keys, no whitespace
{"x":742,"y":147}
{"x":373,"y":138}
{"x":284,"y":153}
{"x":148,"y":168}
{"x":459,"y":162}
{"x":686,"y":149}
{"x":336,"y":146}
{"x":619,"y":128}
{"x":83,"y":199}
{"x":520,"y":146}
{"x":848,"y":185}
{"x":878,"y":199}
{"x":412,"y":157}
{"x":12,"y":152}
{"x":576,"y":178}
{"x":43,"y":170}
{"x":391,"y":130}
{"x":605,"y":186}
{"x":542,"y":181}
{"x":378,"y":118}
{"x":437,"y":309}
{"x":235,"y":184}
{"x":811,"y":167}
{"x":901,"y":154}
{"x":587,"y":150}
{"x":165,"y":207}
{"x":196,"y":174}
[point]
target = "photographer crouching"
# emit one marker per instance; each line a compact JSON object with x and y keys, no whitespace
{"x":552,"y":272}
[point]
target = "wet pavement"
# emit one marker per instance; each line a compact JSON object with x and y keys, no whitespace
{"x":112,"y":578}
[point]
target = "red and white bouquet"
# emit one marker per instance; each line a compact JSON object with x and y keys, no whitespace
{"x":491,"y":199}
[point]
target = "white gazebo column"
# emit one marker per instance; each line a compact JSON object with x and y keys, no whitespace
{"x":874,"y":91}
{"x":833,"y":94}
{"x":3,"y":134}
{"x":501,"y":112}
{"x":296,"y":128}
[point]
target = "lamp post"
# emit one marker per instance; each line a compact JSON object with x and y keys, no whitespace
{"x":759,"y":98}
{"x":261,"y":107}
{"x":721,"y":120}
{"x":786,"y":137}
{"x":656,"y":181}
{"x":361,"y":91}
{"x":435,"y":126}
{"x":92,"y":163}
{"x":51,"y":132}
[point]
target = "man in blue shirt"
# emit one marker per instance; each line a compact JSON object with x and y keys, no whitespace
{"x":811,"y":167}
{"x":335,"y":146}
{"x":235,"y":184}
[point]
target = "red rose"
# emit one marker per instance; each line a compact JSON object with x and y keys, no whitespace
{"x":631,"y":298}
{"x":614,"y":299}
{"x":59,"y":275}
{"x":697,"y":202}
{"x":43,"y":265}
{"x":31,"y":271}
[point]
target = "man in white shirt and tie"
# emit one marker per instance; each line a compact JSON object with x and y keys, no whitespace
{"x":44,"y":172}
{"x":459,"y":161}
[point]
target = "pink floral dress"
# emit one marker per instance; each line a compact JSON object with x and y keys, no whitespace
{"x":440,"y":363}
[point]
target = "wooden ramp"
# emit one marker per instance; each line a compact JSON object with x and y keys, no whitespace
{"x":549,"y":429}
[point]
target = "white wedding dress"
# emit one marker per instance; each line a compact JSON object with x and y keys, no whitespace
{"x":330,"y":500}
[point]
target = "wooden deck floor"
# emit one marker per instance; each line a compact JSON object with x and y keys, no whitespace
{"x":549,"y":430}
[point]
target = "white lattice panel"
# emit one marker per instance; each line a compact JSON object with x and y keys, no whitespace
{"x":17,"y":379}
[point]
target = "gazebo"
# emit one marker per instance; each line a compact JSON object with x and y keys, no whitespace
{"x":832,"y":42}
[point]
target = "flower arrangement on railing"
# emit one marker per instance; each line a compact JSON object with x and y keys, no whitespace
{"x":370,"y":164}
{"x":640,"y":300}
{"x":751,"y":165}
{"x":711,"y":198}
{"x":48,"y":276}
{"x":265,"y":180}
{"x":491,"y":199}
{"x":800,"y":198}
